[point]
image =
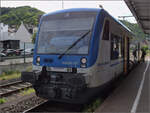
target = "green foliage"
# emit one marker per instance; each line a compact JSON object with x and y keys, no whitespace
{"x":14,"y":16}
{"x":2,"y":100}
{"x":11,"y":72}
{"x":135,"y":29}
{"x":145,"y":48}
{"x":28,"y":91}
{"x":10,"y":75}
{"x":33,"y":37}
{"x":29,"y":68}
{"x":93,"y":106}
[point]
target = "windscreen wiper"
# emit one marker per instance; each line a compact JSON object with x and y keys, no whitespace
{"x":61,"y":55}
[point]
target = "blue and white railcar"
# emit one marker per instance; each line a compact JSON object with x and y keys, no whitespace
{"x":80,"y":52}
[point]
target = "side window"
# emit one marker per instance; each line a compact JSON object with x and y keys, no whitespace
{"x":106,"y":31}
{"x":120,"y":48}
{"x":116,"y":47}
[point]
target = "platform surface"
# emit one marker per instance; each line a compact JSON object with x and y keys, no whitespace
{"x":132,"y":95}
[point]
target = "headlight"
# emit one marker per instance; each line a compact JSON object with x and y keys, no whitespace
{"x":38,"y":60}
{"x":83,"y":60}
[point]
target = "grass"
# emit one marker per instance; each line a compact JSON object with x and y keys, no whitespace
{"x":23,"y":92}
{"x":93,"y":106}
{"x":27,"y":91}
{"x":2,"y":100}
{"x":10,"y":75}
{"x":29,"y":69}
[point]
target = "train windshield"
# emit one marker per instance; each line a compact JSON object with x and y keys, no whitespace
{"x":59,"y":32}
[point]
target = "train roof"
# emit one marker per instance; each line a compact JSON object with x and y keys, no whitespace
{"x":120,"y":23}
{"x":73,"y":10}
{"x":91,"y":10}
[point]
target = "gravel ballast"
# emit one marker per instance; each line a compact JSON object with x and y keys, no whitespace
{"x":21,"y":104}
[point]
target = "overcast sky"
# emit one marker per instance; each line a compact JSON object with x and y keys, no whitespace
{"x":115,"y":8}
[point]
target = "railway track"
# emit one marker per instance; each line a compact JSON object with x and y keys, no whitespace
{"x":10,"y":88}
{"x":50,"y":106}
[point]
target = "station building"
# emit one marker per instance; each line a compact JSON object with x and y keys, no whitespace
{"x":16,"y":39}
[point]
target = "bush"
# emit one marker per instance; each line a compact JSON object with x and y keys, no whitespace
{"x":10,"y":75}
{"x":145,"y":48}
{"x":10,"y":72}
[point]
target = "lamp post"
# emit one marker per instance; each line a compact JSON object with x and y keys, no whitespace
{"x":62,"y":4}
{"x":24,"y":53}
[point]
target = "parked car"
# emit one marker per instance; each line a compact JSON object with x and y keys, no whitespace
{"x":28,"y":51}
{"x":9,"y":52}
{"x":2,"y":55}
{"x":3,"y":50}
{"x":18,"y":51}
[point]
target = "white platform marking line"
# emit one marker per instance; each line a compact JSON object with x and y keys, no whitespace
{"x":136,"y":102}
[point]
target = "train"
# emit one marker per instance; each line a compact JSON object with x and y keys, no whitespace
{"x":79,"y":53}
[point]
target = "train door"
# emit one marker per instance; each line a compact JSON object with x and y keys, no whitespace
{"x":126,"y":55}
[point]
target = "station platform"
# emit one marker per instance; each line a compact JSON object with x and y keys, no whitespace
{"x":133,"y":94}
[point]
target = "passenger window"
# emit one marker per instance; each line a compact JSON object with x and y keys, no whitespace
{"x":106,"y":31}
{"x":116,"y":47}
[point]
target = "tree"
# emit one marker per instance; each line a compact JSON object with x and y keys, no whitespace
{"x":14,"y":16}
{"x":135,"y":29}
{"x":34,"y":37}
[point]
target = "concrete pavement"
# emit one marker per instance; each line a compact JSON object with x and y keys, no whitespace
{"x":132,"y":96}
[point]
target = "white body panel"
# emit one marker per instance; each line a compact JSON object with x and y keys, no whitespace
{"x":105,"y":69}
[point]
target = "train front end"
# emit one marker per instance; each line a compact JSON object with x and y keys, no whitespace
{"x":63,"y":51}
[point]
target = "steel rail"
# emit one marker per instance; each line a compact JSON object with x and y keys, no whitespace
{"x":35,"y":107}
{"x":51,"y":106}
{"x":10,"y":84}
{"x":11,"y":91}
